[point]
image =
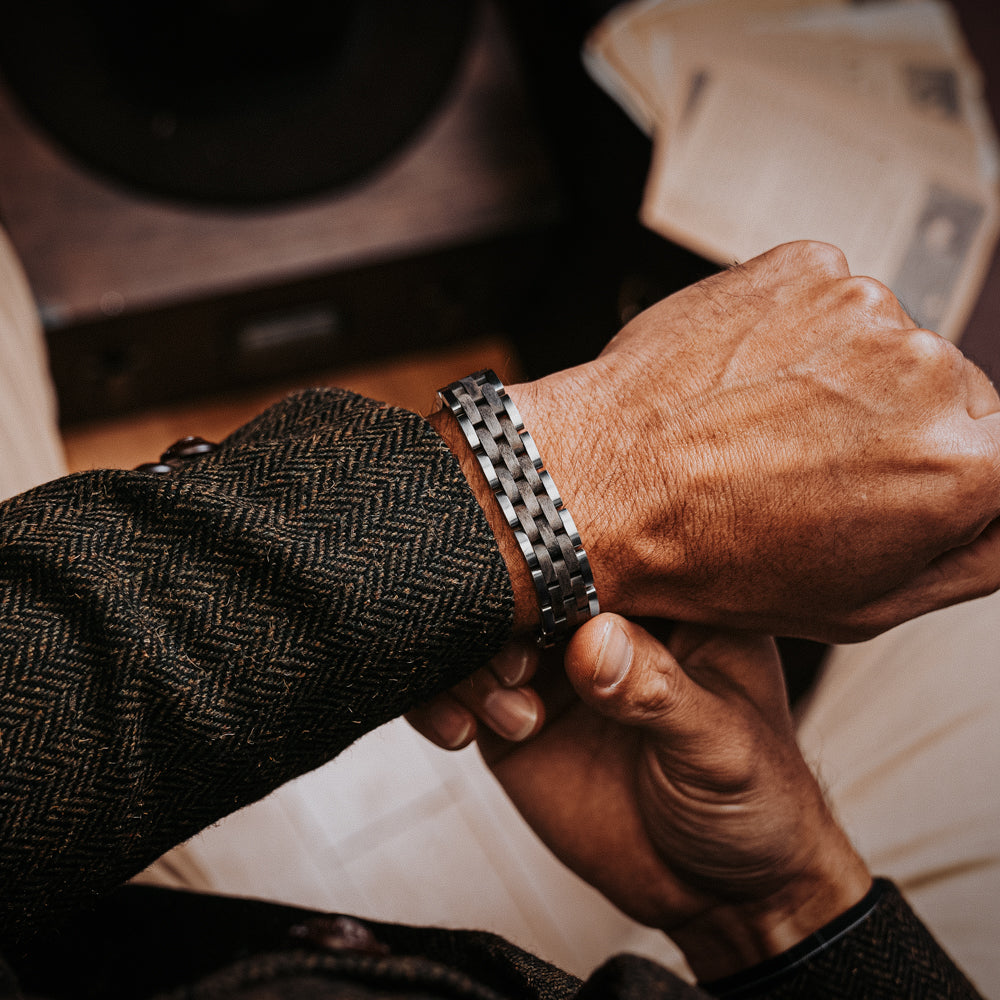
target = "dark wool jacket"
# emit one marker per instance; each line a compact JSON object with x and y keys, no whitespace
{"x":174,"y":647}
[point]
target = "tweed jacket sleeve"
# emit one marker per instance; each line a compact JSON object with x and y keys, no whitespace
{"x":175,"y":647}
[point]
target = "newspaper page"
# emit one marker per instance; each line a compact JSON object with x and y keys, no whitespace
{"x":917,"y":84}
{"x":619,"y":53}
{"x":757,"y":163}
{"x":862,"y":126}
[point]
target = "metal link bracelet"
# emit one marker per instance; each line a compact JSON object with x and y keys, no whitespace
{"x":528,"y":498}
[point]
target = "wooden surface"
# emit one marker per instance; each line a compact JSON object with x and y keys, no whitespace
{"x":411,"y":382}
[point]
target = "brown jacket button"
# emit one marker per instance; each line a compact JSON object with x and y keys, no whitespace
{"x":188,"y":447}
{"x":337,"y":934}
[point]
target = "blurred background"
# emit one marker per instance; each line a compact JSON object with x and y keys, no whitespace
{"x":240,"y":196}
{"x":207,"y":199}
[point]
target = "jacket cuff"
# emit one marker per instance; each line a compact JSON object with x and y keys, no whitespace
{"x":753,"y":981}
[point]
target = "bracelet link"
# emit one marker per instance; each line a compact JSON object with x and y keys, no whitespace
{"x":529,"y":501}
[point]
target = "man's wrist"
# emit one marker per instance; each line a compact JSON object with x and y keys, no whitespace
{"x":567,"y":435}
{"x":728,"y":939}
{"x":765,"y":976}
{"x":523,"y":491}
{"x":527,"y":618}
{"x":529,"y":501}
{"x":624,"y":506}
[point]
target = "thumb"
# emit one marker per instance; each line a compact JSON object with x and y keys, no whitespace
{"x":627,"y":675}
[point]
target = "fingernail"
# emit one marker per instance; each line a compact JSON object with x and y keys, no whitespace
{"x":511,"y":713}
{"x":452,"y":726}
{"x":511,"y":664}
{"x":615,"y":657}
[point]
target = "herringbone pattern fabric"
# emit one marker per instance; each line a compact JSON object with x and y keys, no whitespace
{"x":175,"y":647}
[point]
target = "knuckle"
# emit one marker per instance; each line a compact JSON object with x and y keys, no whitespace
{"x":873,"y":298}
{"x":981,"y":385}
{"x":657,"y":693}
{"x":985,"y":451}
{"x":815,"y":255}
{"x":922,"y":362}
{"x":964,"y":535}
{"x":927,"y":347}
{"x":651,"y":705}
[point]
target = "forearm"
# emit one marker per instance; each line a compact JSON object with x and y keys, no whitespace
{"x":175,"y":647}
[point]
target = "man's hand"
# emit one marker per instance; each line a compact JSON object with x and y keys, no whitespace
{"x":495,"y":696}
{"x":777,"y":448}
{"x":671,"y":781}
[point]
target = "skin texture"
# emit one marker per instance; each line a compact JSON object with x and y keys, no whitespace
{"x":778,"y":449}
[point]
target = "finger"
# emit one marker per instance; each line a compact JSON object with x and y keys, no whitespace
{"x":512,"y":713}
{"x":449,"y":720}
{"x":697,"y":674}
{"x":719,"y":660}
{"x":444,"y":722}
{"x":803,"y":256}
{"x":981,"y":394}
{"x":516,"y":663}
{"x":620,"y":670}
{"x":962,"y":574}
{"x":971,"y":383}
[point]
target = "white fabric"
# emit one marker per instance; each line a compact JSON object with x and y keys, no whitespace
{"x":904,"y":732}
{"x":30,"y":445}
{"x":395,"y":829}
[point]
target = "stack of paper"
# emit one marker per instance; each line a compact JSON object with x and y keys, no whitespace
{"x":863,"y":125}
